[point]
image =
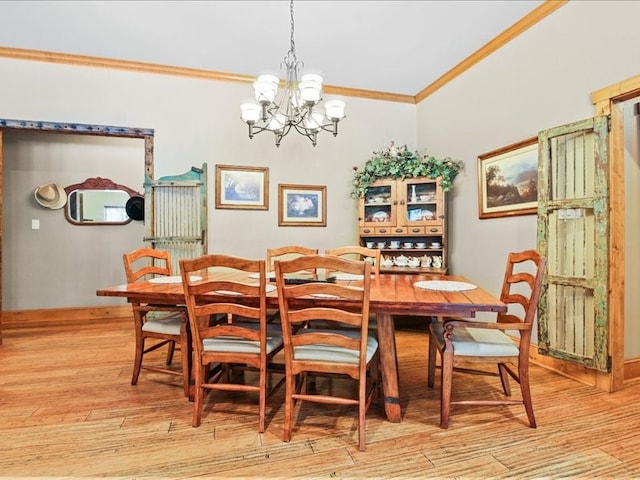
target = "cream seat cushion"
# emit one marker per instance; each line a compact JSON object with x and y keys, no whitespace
{"x":333,"y":353}
{"x":241,"y":345}
{"x":479,"y":341}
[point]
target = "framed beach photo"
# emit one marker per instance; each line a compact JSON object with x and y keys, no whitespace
{"x":242,"y":187}
{"x":508,"y":180}
{"x":302,"y":205}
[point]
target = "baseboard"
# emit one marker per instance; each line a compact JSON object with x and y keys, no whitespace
{"x":62,"y":316}
{"x":632,"y":369}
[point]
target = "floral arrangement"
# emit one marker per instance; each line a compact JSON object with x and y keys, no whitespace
{"x":400,"y":162}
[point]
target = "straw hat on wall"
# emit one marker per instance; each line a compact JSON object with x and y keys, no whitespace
{"x":51,"y":195}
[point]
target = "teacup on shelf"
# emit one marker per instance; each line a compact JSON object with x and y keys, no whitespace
{"x":420,"y":245}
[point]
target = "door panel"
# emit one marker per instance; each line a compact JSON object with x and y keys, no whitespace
{"x":573,"y":228}
{"x":177,"y":213}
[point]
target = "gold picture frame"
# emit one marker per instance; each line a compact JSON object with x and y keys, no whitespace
{"x":508,"y":180}
{"x":240,"y":187}
{"x":302,"y":205}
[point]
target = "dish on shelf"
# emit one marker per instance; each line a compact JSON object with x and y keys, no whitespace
{"x":416,"y":215}
{"x":380,"y":216}
{"x":377,"y":199}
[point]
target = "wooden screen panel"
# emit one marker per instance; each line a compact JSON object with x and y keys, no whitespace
{"x":573,"y":234}
{"x":572,"y":172}
{"x":178,"y":215}
{"x":575,"y":334}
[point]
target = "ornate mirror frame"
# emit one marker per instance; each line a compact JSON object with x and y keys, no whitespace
{"x":97,"y":184}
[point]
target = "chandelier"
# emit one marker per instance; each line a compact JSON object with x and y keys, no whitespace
{"x":294,"y":106}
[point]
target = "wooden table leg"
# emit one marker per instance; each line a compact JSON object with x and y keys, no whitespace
{"x":389,"y":366}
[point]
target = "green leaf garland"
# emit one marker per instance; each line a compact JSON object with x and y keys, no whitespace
{"x":399,"y":162}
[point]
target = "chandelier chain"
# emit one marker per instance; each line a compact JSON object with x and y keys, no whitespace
{"x":292,"y":50}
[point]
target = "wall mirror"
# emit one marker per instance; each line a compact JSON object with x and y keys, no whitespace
{"x":97,"y":201}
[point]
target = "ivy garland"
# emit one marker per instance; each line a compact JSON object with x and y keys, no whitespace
{"x":398,"y":162}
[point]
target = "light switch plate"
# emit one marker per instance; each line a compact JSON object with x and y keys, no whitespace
{"x":35,"y":224}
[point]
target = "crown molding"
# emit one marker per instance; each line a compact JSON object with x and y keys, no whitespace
{"x":526,"y":22}
{"x":548,"y":7}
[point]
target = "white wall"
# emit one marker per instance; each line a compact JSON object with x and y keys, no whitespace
{"x":195,"y":121}
{"x":632,"y":229}
{"x":541,"y":79}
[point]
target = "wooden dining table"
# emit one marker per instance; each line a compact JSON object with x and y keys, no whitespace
{"x":391,"y":294}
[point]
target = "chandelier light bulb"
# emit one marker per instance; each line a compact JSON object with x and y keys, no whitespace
{"x":335,"y":109}
{"x":266,"y":88}
{"x":250,"y":112}
{"x":312,"y":77}
{"x":310,"y":91}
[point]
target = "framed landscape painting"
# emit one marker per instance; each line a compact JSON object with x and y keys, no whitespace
{"x":508,"y":180}
{"x":242,"y":187}
{"x":302,"y":205}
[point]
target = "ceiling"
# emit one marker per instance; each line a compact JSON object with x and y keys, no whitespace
{"x":397,"y":47}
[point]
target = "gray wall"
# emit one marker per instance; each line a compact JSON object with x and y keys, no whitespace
{"x":60,"y":264}
{"x":542,"y":79}
{"x":195,"y":121}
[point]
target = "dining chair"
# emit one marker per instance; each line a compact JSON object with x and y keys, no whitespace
{"x":465,"y":342}
{"x":287,"y":252}
{"x":233,"y":343}
{"x":350,"y":353}
{"x":167,"y":324}
{"x":356,"y":252}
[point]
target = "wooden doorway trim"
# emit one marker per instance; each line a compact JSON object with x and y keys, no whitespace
{"x":606,"y":102}
{"x":72,"y":129}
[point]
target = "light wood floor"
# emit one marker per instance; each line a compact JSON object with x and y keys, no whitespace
{"x":67,"y":409}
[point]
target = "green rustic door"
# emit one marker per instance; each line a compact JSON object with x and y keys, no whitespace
{"x":573,"y":233}
{"x":176,"y":214}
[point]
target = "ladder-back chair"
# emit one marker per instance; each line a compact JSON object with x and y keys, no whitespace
{"x":347,"y":352}
{"x":461,"y":342}
{"x":168,"y":324}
